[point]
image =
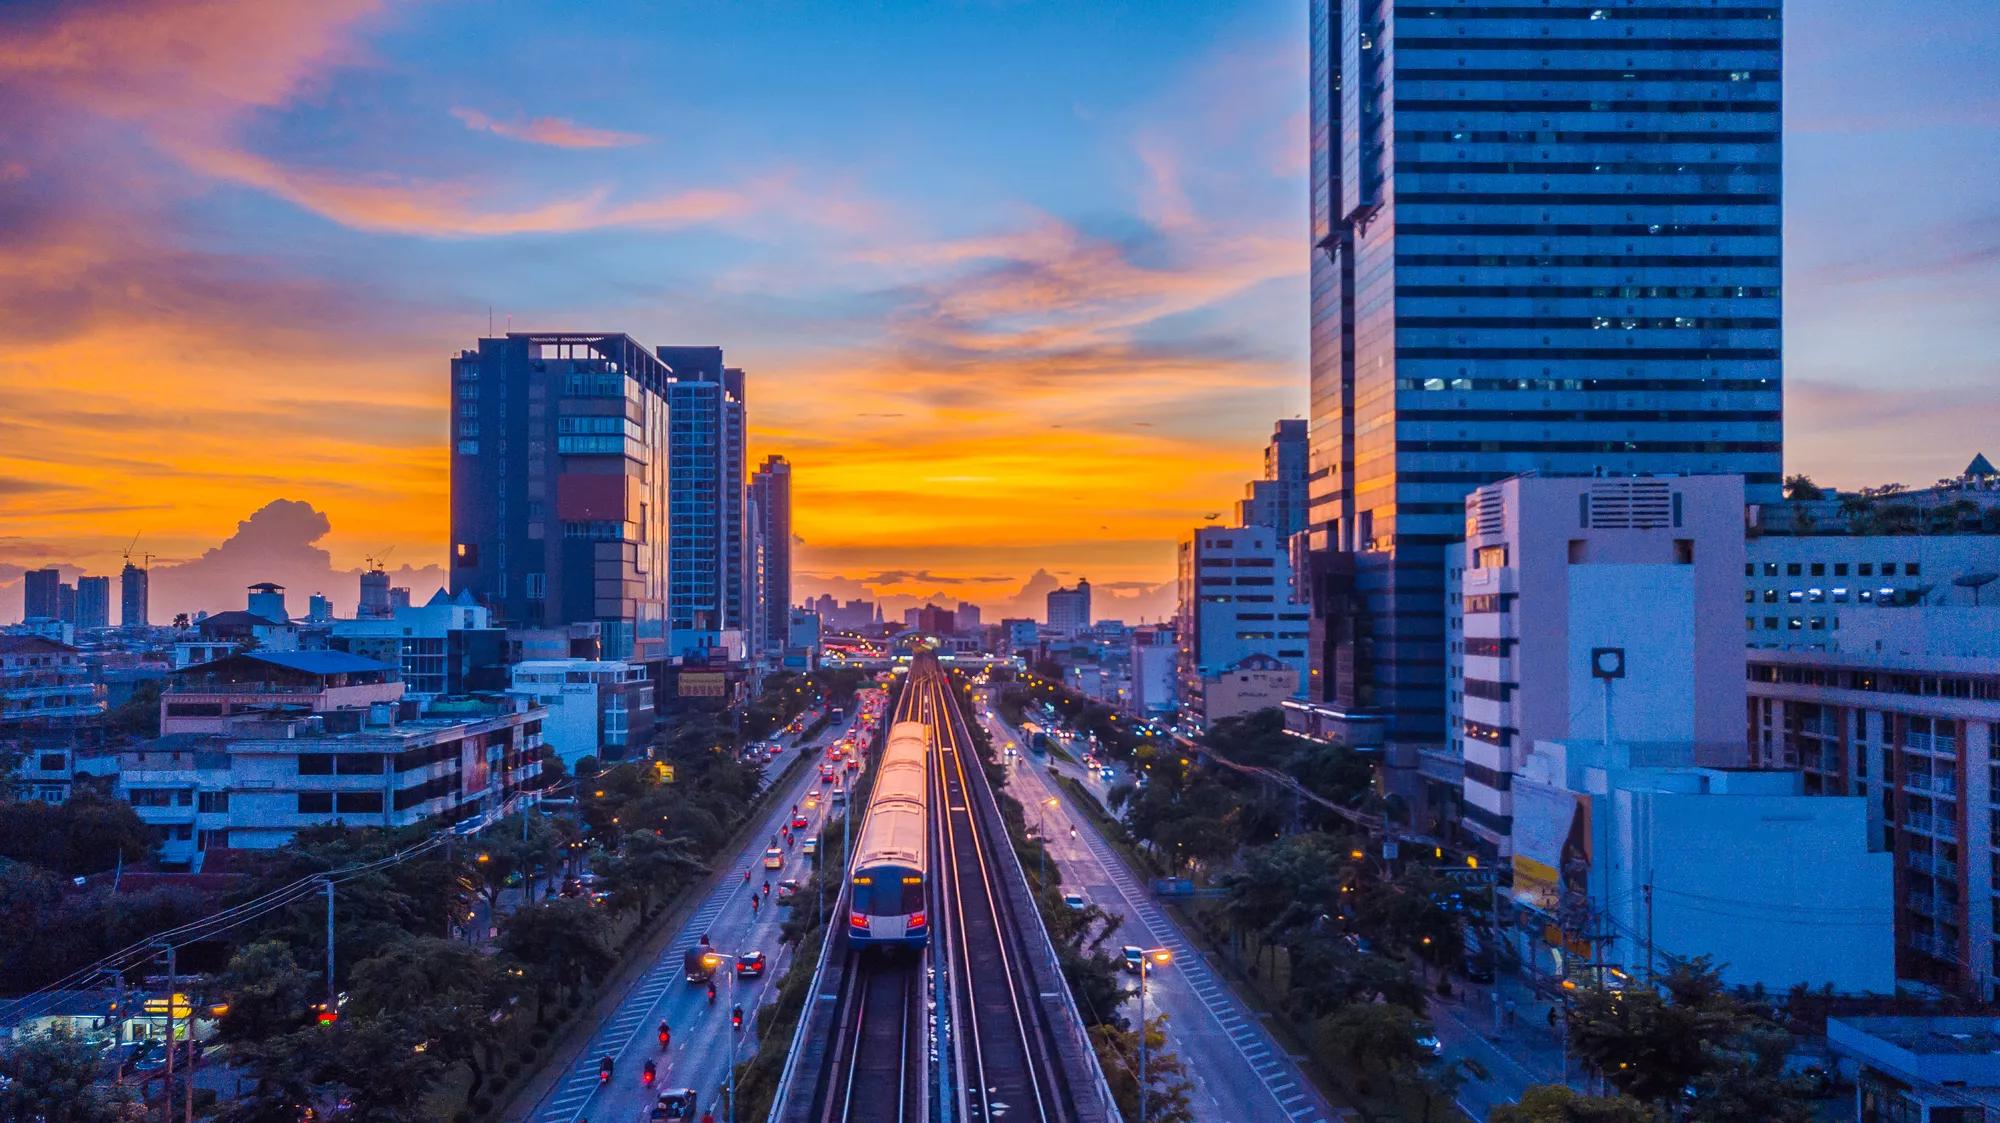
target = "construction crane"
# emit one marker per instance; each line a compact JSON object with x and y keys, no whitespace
{"x":145,"y":559}
{"x":380,"y":558}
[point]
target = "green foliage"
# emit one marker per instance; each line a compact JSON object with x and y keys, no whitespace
{"x":86,"y":835}
{"x":1168,"y":1090}
{"x":55,"y":1078}
{"x":560,"y":943}
{"x":138,"y":716}
{"x":1557,"y":1103}
{"x":1655,"y":1043}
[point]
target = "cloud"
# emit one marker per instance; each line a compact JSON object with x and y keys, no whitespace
{"x":554,"y":132}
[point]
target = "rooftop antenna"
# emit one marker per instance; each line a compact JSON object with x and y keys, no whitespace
{"x":1975,"y":582}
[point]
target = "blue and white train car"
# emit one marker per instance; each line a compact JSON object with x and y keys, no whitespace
{"x":886,"y":895}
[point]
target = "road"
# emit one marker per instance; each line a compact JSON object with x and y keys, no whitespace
{"x":1238,"y":1071}
{"x":700,"y":1055}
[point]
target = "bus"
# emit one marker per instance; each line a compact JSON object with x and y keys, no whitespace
{"x":1038,"y":740}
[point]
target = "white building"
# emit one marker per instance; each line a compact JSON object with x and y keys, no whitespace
{"x":447,"y":645}
{"x":1557,"y":573}
{"x":1153,"y":671}
{"x":1069,"y":609}
{"x":1801,"y":590}
{"x":261,"y":781}
{"x":1235,"y":602}
{"x":801,"y":641}
{"x":1636,"y":852}
{"x":595,"y":708}
{"x":1921,"y":1069}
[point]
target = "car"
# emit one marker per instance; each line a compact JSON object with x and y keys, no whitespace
{"x":787,"y":889}
{"x":1476,"y":969}
{"x":840,"y":797}
{"x":1135,"y":957}
{"x":674,"y":1103}
{"x":811,"y":845}
{"x":826,"y":773}
{"x":1076,"y":901}
{"x":800,"y":822}
{"x":1430,"y":1044}
{"x":774,"y":859}
{"x":750,"y":965}
{"x":853,"y":765}
{"x":1107,"y":773}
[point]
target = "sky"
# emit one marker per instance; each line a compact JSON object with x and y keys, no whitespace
{"x":1020,"y":285}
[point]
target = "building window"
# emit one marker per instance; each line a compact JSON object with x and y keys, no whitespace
{"x":213,"y":803}
{"x":316,"y":764}
{"x":315,"y":803}
{"x":360,"y":803}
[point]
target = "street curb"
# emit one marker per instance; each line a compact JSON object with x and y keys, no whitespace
{"x":577,"y":1032}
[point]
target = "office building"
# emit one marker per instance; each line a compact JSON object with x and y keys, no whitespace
{"x":133,"y":601}
{"x":1069,"y":608}
{"x":1922,"y":1068}
{"x":1278,"y":500}
{"x":41,"y":597}
{"x":771,"y":499}
{"x":1903,"y":707}
{"x":373,"y":603}
{"x":801,"y":650}
{"x":1558,"y":573}
{"x":1234,"y":606}
{"x":319,"y":609}
{"x":1543,"y":240}
{"x":595,"y":708}
{"x":967,"y":617}
{"x":1154,"y":663}
{"x":93,"y":602}
{"x":934,"y":620}
{"x":707,"y":574}
{"x":559,"y":485}
{"x":446,"y":646}
{"x":1798,"y":590}
{"x":254,"y":780}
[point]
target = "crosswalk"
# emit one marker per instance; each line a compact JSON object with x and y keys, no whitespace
{"x":1272,"y":1067}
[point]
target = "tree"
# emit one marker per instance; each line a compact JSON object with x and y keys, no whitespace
{"x":561,"y":942}
{"x":648,"y":868}
{"x":1168,"y":1089}
{"x":1801,"y":487}
{"x":138,"y":716}
{"x":1378,"y":1035}
{"x":1558,"y":1103}
{"x":56,"y":1078}
{"x":438,"y":994}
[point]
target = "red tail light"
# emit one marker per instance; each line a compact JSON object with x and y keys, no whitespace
{"x":858,"y":920}
{"x":917,"y":920}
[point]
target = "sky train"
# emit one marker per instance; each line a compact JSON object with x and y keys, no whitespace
{"x":886,"y":898}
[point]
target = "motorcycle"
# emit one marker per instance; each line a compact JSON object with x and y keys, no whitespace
{"x":666,"y":1035}
{"x":736,"y":1017}
{"x":646,"y":1076}
{"x":604,"y":1070}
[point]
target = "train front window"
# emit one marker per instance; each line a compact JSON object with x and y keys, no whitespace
{"x":888,"y":891}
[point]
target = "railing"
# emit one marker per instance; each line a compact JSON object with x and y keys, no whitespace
{"x":1932,"y":784}
{"x":1943,"y":868}
{"x":1934,"y":825}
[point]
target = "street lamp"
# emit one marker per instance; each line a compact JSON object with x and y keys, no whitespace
{"x":1147,"y":959}
{"x":1041,"y":824}
{"x":711,"y":960}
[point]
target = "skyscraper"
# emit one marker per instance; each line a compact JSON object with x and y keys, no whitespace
{"x":41,"y":594}
{"x":133,"y":596}
{"x":1278,"y":500}
{"x":93,"y":602}
{"x":1544,"y":240}
{"x":559,"y":484}
{"x":771,"y":498}
{"x":706,"y":569}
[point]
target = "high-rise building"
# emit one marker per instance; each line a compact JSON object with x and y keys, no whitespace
{"x":132,"y":596}
{"x":1543,"y":240}
{"x":1237,"y":623}
{"x":1069,"y":608}
{"x":41,"y":596}
{"x":93,"y":602}
{"x":706,"y":571}
{"x":559,"y":485}
{"x":1279,"y":499}
{"x":771,"y":495}
{"x":374,"y":600}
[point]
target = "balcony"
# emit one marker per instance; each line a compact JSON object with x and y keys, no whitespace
{"x":1937,"y":785}
{"x":1933,"y":825}
{"x":1937,"y":908}
{"x":1942,"y":868}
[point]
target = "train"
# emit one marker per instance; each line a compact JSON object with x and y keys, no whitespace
{"x":888,"y":879}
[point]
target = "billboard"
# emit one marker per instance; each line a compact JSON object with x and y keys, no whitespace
{"x":1551,"y":842}
{"x":704,"y":684}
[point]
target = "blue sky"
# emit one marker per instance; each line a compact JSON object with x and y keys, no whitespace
{"x":1020,"y":285}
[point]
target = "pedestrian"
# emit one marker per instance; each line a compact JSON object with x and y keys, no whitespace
{"x":1510,"y":1011}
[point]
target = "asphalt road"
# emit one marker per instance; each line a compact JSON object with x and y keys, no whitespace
{"x":703,"y":1043}
{"x":1238,"y":1071}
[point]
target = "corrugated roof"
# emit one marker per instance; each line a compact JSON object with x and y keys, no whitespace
{"x":26,"y":644}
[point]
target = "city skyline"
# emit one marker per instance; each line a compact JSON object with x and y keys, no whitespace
{"x":996,"y":327}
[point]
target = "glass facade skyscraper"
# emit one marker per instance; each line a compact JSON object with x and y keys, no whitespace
{"x":1546,"y":239}
{"x":707,"y":572}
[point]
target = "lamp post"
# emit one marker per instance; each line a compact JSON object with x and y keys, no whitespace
{"x":1042,"y":826}
{"x":711,"y":960}
{"x":1147,"y":959}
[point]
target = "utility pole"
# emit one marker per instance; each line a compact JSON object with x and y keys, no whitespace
{"x":1649,"y":931}
{"x":329,"y":947}
{"x":173,"y":985}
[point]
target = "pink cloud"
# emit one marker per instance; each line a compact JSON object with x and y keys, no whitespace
{"x":552,"y":131}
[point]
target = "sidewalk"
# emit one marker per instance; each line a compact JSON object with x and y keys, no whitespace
{"x":1473,"y":1026}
